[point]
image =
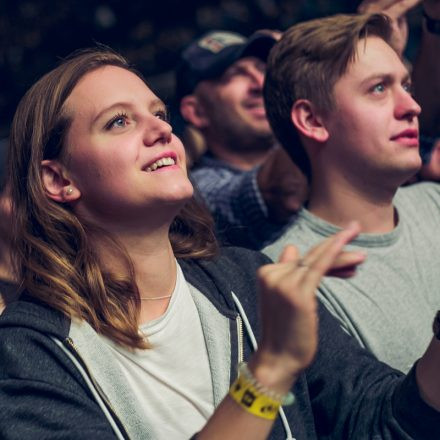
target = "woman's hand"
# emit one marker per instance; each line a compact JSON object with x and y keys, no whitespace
{"x":289,"y":307}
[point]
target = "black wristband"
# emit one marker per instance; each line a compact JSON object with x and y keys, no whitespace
{"x":436,"y":325}
{"x":432,"y":24}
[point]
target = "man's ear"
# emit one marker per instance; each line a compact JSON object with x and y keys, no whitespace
{"x":193,"y":111}
{"x":308,"y":121}
{"x":58,"y":186}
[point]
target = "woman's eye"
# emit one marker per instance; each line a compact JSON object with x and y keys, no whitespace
{"x":163,"y":115}
{"x":119,"y":121}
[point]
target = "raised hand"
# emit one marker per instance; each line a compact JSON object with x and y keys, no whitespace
{"x":289,"y":307}
{"x":396,"y":10}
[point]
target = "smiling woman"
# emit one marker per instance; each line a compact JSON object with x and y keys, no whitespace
{"x":131,"y":323}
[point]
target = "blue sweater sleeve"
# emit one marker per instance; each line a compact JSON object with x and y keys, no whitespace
{"x":234,"y":199}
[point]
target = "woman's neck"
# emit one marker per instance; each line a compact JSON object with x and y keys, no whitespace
{"x":155,"y":268}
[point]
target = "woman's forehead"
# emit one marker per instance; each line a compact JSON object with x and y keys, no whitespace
{"x":106,"y":85}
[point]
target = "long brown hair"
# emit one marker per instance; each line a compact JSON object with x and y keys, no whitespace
{"x":55,"y":255}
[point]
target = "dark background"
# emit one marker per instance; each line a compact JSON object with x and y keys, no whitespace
{"x":36,"y":34}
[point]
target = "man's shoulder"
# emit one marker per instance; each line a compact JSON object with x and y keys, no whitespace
{"x":299,"y":232}
{"x":419,"y":190}
{"x":421,"y":199}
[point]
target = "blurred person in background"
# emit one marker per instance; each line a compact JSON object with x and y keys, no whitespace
{"x":249,"y":184}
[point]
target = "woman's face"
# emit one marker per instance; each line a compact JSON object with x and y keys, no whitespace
{"x":122,"y":159}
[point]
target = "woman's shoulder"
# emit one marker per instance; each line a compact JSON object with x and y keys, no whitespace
{"x":27,"y":315}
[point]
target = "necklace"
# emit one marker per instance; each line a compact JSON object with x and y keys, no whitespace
{"x":155,"y":298}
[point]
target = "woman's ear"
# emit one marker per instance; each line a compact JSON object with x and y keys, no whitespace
{"x":308,"y":121}
{"x":58,"y":186}
{"x":193,"y":111}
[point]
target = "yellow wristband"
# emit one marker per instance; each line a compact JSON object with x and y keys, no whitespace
{"x":252,"y":400}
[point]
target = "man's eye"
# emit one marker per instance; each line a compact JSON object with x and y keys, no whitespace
{"x":408,"y":87}
{"x":378,"y":88}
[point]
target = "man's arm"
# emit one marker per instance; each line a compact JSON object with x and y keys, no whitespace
{"x":250,"y":207}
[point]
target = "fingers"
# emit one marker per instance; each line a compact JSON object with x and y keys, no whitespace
{"x":290,"y":253}
{"x":322,"y":258}
{"x":325,"y":257}
{"x":340,"y":240}
{"x":345,"y":264}
{"x":393,"y":8}
{"x":400,"y":8}
{"x":371,"y":6}
{"x":348,"y":259}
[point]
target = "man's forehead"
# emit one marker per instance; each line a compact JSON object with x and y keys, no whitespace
{"x":374,"y":56}
{"x":244,"y":63}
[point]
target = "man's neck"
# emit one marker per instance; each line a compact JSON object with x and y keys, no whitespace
{"x":339,"y":204}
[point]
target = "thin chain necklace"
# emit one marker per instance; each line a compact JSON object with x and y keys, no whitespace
{"x":154,"y":298}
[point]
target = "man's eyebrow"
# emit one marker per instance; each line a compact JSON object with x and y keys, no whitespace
{"x":385,"y":77}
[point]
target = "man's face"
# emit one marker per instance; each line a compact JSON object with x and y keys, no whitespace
{"x":234,"y":103}
{"x":373,"y":127}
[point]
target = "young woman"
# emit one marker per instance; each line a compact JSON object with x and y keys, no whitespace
{"x":114,"y":337}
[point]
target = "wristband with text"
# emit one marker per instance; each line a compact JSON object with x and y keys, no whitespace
{"x":255,"y":398}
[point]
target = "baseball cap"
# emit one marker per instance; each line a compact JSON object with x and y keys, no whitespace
{"x":210,"y":55}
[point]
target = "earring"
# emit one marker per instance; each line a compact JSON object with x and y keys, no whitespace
{"x":69,"y":191}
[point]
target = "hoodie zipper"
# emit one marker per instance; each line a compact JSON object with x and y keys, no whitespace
{"x":240,"y":339}
{"x":68,"y":342}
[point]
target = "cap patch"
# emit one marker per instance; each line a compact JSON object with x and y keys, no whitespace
{"x":219,"y":40}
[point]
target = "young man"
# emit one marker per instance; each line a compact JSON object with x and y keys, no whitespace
{"x":251,"y":187}
{"x":337,"y":86}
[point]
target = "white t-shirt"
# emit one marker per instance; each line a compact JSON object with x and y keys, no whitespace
{"x":172,"y":380}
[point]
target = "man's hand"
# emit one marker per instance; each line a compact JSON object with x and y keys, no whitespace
{"x":396,"y":10}
{"x":282,"y":185}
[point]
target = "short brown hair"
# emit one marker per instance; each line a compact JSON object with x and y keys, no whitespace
{"x":55,"y":250}
{"x":306,"y":63}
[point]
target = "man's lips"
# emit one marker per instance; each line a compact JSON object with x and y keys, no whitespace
{"x":256,"y":108}
{"x":408,"y":133}
{"x":409,"y":137}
